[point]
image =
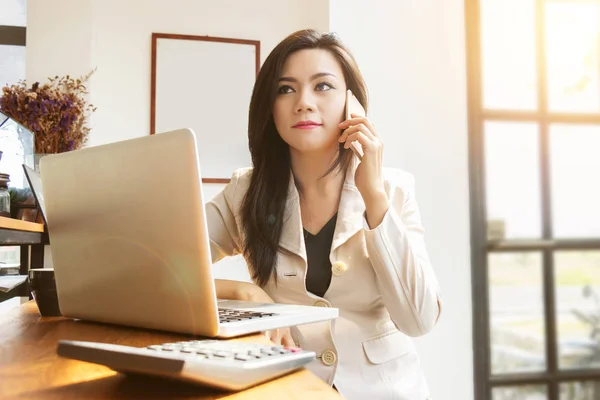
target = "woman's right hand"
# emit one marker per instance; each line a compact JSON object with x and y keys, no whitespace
{"x":281,"y":336}
{"x":246,"y":291}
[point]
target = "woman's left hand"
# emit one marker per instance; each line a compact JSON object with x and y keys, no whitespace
{"x":369,"y":174}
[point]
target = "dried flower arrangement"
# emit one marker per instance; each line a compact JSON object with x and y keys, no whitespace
{"x":56,"y":112}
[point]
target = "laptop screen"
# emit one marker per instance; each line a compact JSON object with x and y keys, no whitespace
{"x":35,"y":183}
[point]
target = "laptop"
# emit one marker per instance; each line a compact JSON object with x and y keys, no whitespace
{"x":130,"y":242}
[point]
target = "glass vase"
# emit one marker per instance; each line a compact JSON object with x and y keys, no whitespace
{"x":17,"y":145}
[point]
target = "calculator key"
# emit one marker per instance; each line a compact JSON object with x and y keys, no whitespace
{"x":223,"y":354}
{"x":187,"y":350}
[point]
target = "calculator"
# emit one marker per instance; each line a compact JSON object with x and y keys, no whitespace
{"x":221,"y":364}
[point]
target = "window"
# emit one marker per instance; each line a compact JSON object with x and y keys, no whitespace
{"x":534,"y":153}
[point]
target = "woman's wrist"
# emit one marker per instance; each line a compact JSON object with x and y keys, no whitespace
{"x":376,"y":205}
{"x":251,"y":292}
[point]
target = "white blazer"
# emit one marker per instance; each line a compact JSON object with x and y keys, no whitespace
{"x":382,"y":282}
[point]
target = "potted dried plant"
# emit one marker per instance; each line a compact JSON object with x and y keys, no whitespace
{"x":56,"y":112}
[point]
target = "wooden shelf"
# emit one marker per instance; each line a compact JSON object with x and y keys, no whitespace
{"x":18,"y":225}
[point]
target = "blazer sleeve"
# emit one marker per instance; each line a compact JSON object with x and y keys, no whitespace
{"x":222,"y":227}
{"x":404,"y":273}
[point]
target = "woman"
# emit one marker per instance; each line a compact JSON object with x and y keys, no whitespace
{"x":317,"y":226}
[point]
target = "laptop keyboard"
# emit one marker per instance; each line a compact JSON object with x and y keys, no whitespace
{"x":228,"y":315}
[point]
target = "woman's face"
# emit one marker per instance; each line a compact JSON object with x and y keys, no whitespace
{"x":310,"y":101}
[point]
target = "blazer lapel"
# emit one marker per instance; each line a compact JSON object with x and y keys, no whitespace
{"x":349,"y":220}
{"x":292,"y":237}
{"x":351,"y":209}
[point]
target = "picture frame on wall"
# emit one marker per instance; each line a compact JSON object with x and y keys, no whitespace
{"x":205,"y":83}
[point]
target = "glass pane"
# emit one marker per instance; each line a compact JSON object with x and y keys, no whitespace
{"x":520,"y":393}
{"x":16,"y":144}
{"x":513,"y":178}
{"x":572,"y":55}
{"x":508,"y":54}
{"x":12,"y":64}
{"x":577,"y":276}
{"x":13,"y":12}
{"x":575,"y":170}
{"x":580,"y":391}
{"x":516,"y":312}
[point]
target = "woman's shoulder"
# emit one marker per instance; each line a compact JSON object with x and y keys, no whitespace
{"x":238,"y":185}
{"x":241,"y":177}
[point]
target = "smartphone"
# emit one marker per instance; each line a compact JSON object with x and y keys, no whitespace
{"x":353,"y":106}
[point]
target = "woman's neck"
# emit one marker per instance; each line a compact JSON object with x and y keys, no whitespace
{"x":310,"y":170}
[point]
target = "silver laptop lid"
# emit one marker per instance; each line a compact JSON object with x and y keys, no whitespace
{"x":129,"y":236}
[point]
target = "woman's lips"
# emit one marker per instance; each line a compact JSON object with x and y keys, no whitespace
{"x":307,"y":125}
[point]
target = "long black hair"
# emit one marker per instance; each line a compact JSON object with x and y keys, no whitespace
{"x":263,"y":206}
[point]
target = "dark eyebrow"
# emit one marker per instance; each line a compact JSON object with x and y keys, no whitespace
{"x":312,"y":78}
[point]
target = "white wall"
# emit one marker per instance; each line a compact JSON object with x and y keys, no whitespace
{"x":114,"y":36}
{"x":74,"y":36}
{"x":412,"y":54}
{"x":59,"y":37}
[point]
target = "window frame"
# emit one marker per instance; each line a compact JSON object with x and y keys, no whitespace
{"x":551,"y":378}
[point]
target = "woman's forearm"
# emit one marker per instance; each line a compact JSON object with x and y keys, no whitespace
{"x":237,"y":290}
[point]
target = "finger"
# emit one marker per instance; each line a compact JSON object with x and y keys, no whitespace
{"x":270,"y":335}
{"x":276,"y":336}
{"x":288,"y":341}
{"x":368,"y":123}
{"x":357,"y":119}
{"x":356,"y":128}
{"x":361,"y":121}
{"x":361,"y":138}
{"x":351,"y":139}
{"x":351,"y":121}
{"x":355,"y":136}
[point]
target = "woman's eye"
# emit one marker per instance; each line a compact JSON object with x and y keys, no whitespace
{"x":323,"y":86}
{"x":285,"y":89}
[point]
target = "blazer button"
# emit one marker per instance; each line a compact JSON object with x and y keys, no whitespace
{"x":321,"y":303}
{"x":338,"y":268}
{"x":328,"y":357}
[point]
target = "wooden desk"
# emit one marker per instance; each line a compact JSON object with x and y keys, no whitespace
{"x":30,"y":368}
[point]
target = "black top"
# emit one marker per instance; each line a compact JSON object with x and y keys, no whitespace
{"x":318,"y":247}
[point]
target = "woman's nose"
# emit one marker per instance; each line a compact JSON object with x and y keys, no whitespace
{"x":305,"y":102}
